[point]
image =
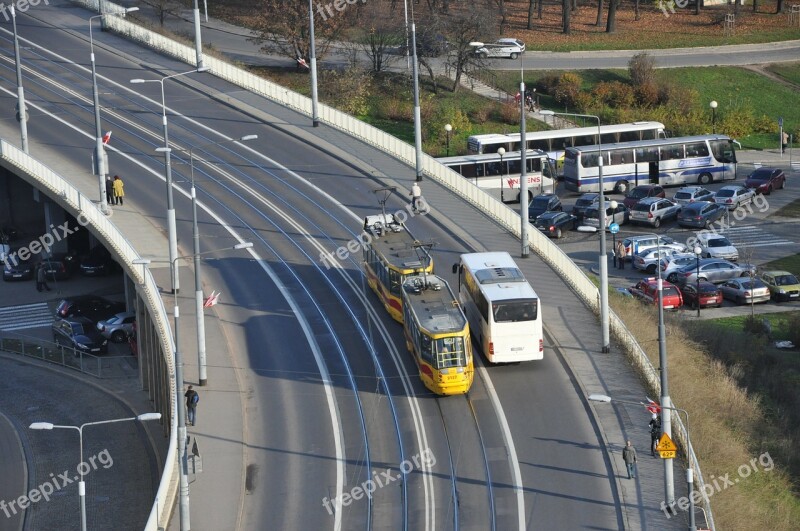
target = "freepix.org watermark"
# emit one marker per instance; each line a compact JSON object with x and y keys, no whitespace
{"x":426,"y":459}
{"x":361,"y":241}
{"x":718,"y":484}
{"x":21,"y":6}
{"x":55,"y":484}
{"x":338,"y":5}
{"x":739,"y":214}
{"x":46,"y":241}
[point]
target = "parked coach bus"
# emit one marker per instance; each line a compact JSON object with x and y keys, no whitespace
{"x":667,"y":162}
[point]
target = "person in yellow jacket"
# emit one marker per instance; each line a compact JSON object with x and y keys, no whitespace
{"x":119,"y":190}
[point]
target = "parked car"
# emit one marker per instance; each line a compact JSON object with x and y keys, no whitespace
{"x":710,"y":295}
{"x":765,"y":180}
{"x":99,"y":262}
{"x":701,"y":215}
{"x":646,"y":290}
{"x":5,"y":249}
{"x":733,"y":196}
{"x":80,"y":334}
{"x":654,"y":210}
{"x":554,"y":224}
{"x":745,"y":290}
{"x":716,"y":246}
{"x":90,"y":306}
{"x":783,"y":286}
{"x":641,"y":192}
{"x":670,"y":265}
{"x":506,"y":47}
{"x":714,"y":270}
{"x":61,"y":266}
{"x":543,"y":203}
{"x":587,"y":200}
{"x":648,"y":259}
{"x":636,"y":244}
{"x":118,"y":327}
{"x":16,"y":268}
{"x":692,"y":194}
{"x":618,"y":215}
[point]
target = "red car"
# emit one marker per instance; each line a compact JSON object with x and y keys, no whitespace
{"x":710,"y":295}
{"x":642,"y":191}
{"x":765,"y":180}
{"x":646,"y":290}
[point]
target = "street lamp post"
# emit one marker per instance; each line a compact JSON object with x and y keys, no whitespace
{"x":100,"y":160}
{"x":502,"y":151}
{"x":81,"y":483}
{"x":173,"y":238}
{"x":182,"y":458}
{"x":198,"y":290}
{"x":198,"y":44}
{"x":689,"y":470}
{"x":447,"y":129}
{"x":603,"y":253}
{"x":22,"y":109}
{"x":613,"y":206}
{"x":713,"y":106}
{"x":417,"y":119}
{"x":697,"y":252}
{"x":313,"y":53}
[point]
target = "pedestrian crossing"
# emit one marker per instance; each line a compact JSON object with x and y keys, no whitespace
{"x":25,"y":316}
{"x":747,"y":236}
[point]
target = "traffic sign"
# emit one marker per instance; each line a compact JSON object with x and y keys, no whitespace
{"x":667,"y":454}
{"x":780,"y":121}
{"x":613,"y":228}
{"x":665,"y":444}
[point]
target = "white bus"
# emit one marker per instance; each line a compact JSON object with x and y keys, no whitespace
{"x":554,"y":142}
{"x":503,"y":310}
{"x":496,"y":172}
{"x":668,"y":162}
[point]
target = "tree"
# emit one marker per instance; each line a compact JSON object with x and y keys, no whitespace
{"x":382,"y":35}
{"x":565,"y":7}
{"x":461,"y":29}
{"x":779,"y":7}
{"x":599,"y":13}
{"x":611,"y":26}
{"x":531,"y":4}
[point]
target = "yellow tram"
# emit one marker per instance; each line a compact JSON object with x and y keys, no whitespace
{"x":437,"y":334}
{"x":391,"y":254}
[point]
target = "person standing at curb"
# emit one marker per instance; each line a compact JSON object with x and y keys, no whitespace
{"x":119,"y":190}
{"x":109,"y":191}
{"x":416,"y":194}
{"x":784,"y":141}
{"x":629,"y":456}
{"x":620,"y":252}
{"x":192,"y":398}
{"x":41,"y":278}
{"x":655,"y":433}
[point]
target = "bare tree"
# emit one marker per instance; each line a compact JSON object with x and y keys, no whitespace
{"x":599,"y":13}
{"x":531,"y":5}
{"x":164,"y":8}
{"x":611,"y":25}
{"x":779,"y":7}
{"x":461,"y":29}
{"x":382,"y":38}
{"x":565,"y":8}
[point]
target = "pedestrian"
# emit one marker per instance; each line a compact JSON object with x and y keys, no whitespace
{"x":629,"y":456}
{"x":416,"y":195}
{"x":119,"y":190}
{"x":529,"y":103}
{"x":655,"y":433}
{"x":41,"y":278}
{"x":784,"y":141}
{"x":621,"y":253}
{"x":192,"y":398}
{"x":109,"y":191}
{"x":517,"y":97}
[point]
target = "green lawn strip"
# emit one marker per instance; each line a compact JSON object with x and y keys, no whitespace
{"x":792,"y":210}
{"x":779,"y":322}
{"x":788,"y":71}
{"x":790,"y":263}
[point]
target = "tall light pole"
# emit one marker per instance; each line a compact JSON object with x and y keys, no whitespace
{"x":603,"y":254}
{"x":523,"y":176}
{"x":198,"y":290}
{"x":417,"y":119}
{"x":173,"y":238}
{"x":182,"y":458}
{"x":22,"y":110}
{"x":313,"y":53}
{"x":689,"y":451}
{"x":447,"y":129}
{"x":697,"y":252}
{"x":713,"y":106}
{"x":81,"y":483}
{"x":502,"y":151}
{"x":613,"y":205}
{"x":100,"y":160}
{"x":198,"y":44}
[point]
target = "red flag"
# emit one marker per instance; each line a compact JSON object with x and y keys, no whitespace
{"x":653,"y":406}
{"x":212,"y":300}
{"x":107,"y":137}
{"x":302,"y":62}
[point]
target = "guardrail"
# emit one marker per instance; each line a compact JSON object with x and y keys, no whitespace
{"x":87,"y":213}
{"x":547,"y":250}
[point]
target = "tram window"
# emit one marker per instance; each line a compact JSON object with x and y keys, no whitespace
{"x":479,"y":169}
{"x":449,"y":352}
{"x":426,"y":350}
{"x":394,"y":282}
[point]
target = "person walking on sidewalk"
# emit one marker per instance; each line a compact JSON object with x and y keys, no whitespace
{"x":416,"y":194}
{"x":620,"y":253}
{"x":119,"y":190}
{"x":629,"y":456}
{"x":41,"y":278}
{"x":192,"y":398}
{"x":655,"y":433}
{"x":109,"y":190}
{"x":784,"y":141}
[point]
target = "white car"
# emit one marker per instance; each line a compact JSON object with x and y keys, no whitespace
{"x":692,"y":194}
{"x":506,"y":47}
{"x":670,"y":265}
{"x":734,"y":196}
{"x":654,"y":210}
{"x":716,"y":246}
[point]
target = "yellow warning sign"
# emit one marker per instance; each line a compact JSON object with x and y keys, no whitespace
{"x":667,"y":454}
{"x":665,"y":444}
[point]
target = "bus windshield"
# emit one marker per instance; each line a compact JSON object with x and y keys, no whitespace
{"x":513,"y":311}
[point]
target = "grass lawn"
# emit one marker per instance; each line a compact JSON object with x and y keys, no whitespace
{"x":790,"y":263}
{"x":788,"y":71}
{"x":792,"y":210}
{"x":778,"y":321}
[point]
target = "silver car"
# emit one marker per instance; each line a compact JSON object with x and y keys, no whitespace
{"x":648,"y":259}
{"x":654,"y":210}
{"x":618,"y":216}
{"x":670,"y":265}
{"x":118,"y":328}
{"x":745,"y":290}
{"x":692,"y":194}
{"x":716,"y":246}
{"x":714,"y":270}
{"x":733,"y":196}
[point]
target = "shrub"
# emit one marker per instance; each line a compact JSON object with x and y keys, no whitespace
{"x":509,"y":113}
{"x":547,"y":84}
{"x":569,"y":86}
{"x":642,"y":69}
{"x":614,"y":94}
{"x":646,"y":93}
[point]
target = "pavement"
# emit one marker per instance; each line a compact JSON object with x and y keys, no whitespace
{"x":217,"y":491}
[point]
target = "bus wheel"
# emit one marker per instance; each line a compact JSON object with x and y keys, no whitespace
{"x":621,"y":187}
{"x":705,"y":178}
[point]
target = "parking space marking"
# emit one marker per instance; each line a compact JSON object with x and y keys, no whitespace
{"x":25,"y":316}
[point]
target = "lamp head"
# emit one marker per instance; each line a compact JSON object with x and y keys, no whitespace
{"x":41,"y":426}
{"x":137,"y":80}
{"x":243,"y":245}
{"x":130,"y":10}
{"x":600,"y":398}
{"x":613,"y":205}
{"x":141,"y":261}
{"x":203,"y":69}
{"x":448,"y":127}
{"x":245,"y":138}
{"x":713,"y":104}
{"x":476,"y":44}
{"x":698,"y":250}
{"x":148,"y":416}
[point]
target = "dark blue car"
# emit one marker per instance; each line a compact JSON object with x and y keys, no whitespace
{"x":700,"y":215}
